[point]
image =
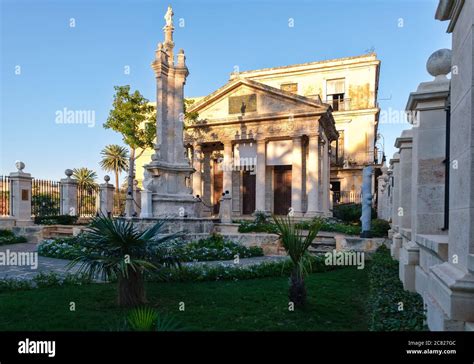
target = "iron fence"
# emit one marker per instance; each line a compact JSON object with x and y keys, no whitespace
{"x":45,"y":197}
{"x":87,"y":200}
{"x":5,"y":200}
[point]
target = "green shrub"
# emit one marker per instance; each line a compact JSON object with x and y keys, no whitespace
{"x":380,"y":228}
{"x":220,"y":272}
{"x":216,"y":248}
{"x":61,"y":248}
{"x":56,"y":220}
{"x":391,"y":308}
{"x":41,"y":280}
{"x":350,"y":212}
{"x":8,"y":237}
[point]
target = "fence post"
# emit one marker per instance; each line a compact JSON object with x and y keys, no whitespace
{"x":106,"y":193}
{"x":68,"y":194}
{"x":21,"y":195}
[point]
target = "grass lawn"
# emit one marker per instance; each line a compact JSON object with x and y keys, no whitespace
{"x":335,"y":302}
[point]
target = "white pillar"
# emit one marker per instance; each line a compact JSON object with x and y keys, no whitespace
{"x":21,"y":195}
{"x":68,"y":204}
{"x":227,"y":165}
{"x":106,"y":197}
{"x":312,"y":168}
{"x":325,"y":177}
{"x":260,"y":176}
{"x":297,"y":177}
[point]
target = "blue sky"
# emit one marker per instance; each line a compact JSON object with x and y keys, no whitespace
{"x":77,"y":67}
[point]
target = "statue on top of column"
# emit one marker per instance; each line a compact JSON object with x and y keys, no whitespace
{"x":169,"y":17}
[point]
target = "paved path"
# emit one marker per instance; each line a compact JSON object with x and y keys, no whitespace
{"x":47,"y":265}
{"x":44,"y":265}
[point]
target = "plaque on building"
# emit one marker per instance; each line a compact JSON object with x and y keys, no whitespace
{"x":25,"y":195}
{"x":242,"y":104}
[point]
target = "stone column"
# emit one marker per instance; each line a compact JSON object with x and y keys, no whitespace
{"x":404,"y":143}
{"x":395,"y":180}
{"x":21,"y":195}
{"x":381,"y":193}
{"x":312,"y":168}
{"x":297,"y":177}
{"x":227,"y":166}
{"x":225,"y":208}
{"x":451,"y":284}
{"x":106,"y":197}
{"x":426,"y":110}
{"x":325,"y":176}
{"x":68,"y":194}
{"x":260,"y":175}
{"x":197,"y":175}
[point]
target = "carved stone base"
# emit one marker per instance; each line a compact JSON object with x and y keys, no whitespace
{"x":409,"y":259}
{"x":451,"y":297}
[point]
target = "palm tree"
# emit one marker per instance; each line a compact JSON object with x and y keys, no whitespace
{"x":85,"y":177}
{"x":296,"y":245}
{"x":87,"y":203}
{"x":114,"y":248}
{"x":115,"y":159}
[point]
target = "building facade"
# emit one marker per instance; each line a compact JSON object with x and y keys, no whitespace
{"x":313,"y":125}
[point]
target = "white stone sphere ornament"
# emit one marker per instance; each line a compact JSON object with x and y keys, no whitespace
{"x":68,"y":172}
{"x":439,"y":63}
{"x":106,"y":179}
{"x":20,"y":166}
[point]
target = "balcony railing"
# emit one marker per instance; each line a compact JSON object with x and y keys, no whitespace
{"x":342,"y":197}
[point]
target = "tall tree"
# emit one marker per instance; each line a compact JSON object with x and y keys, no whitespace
{"x":85,"y":177}
{"x":115,"y":159}
{"x":133,"y":117}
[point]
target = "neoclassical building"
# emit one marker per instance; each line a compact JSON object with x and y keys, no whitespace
{"x":282,"y":138}
{"x":267,"y":147}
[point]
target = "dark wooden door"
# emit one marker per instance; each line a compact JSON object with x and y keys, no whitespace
{"x":282,"y":190}
{"x":218,"y":185}
{"x":248,"y":193}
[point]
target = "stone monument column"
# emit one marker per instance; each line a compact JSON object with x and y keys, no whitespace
{"x":68,"y":194}
{"x":21,"y":195}
{"x":227,"y":165}
{"x":167,"y":175}
{"x":451,"y":284}
{"x":426,"y":110}
{"x":197,"y":175}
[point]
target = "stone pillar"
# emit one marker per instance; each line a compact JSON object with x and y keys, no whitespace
{"x":426,"y":110}
{"x":197,"y":175}
{"x":381,"y":193}
{"x":20,"y":184}
{"x":106,"y":197}
{"x":394,"y":163}
{"x":312,"y":169}
{"x":451,"y":284}
{"x":366,"y":217}
{"x":325,"y":177}
{"x":225,"y":208}
{"x":297,"y":177}
{"x":404,"y":143}
{"x":227,"y":166}
{"x":68,"y":185}
{"x":260,"y":175}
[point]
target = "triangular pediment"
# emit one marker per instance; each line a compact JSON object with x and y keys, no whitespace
{"x":255,"y":99}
